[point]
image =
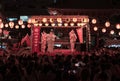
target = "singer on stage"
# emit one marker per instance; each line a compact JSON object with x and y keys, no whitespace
{"x":43,"y":41}
{"x":72,"y":37}
{"x":50,"y":41}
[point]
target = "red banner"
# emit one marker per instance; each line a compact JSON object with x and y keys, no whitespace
{"x":35,"y":39}
{"x":80,"y":34}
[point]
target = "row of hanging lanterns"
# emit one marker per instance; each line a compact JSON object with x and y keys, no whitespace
{"x":104,"y":30}
{"x":107,"y":24}
{"x":60,"y":24}
{"x":11,"y":24}
{"x":58,"y":20}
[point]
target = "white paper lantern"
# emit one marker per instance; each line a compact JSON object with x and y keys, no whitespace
{"x":107,"y":24}
{"x":94,"y":21}
{"x":95,"y":28}
{"x":11,"y":24}
{"x":117,"y":26}
{"x":112,"y":32}
{"x":16,"y":26}
{"x":103,"y":30}
{"x":20,"y":22}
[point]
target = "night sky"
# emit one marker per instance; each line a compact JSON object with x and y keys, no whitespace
{"x":17,"y":7}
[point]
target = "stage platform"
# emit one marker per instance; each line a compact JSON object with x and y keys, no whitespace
{"x":61,"y":52}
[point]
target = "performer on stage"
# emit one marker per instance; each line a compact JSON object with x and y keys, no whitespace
{"x":50,"y":41}
{"x":43,"y":41}
{"x":73,"y":38}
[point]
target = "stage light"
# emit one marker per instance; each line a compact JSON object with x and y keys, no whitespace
{"x":46,"y":24}
{"x":74,"y":19}
{"x":17,"y":26}
{"x":44,"y":20}
{"x":40,"y":24}
{"x":107,"y":24}
{"x":11,"y":24}
{"x":59,"y":20}
{"x":103,"y":30}
{"x":29,"y":20}
{"x":95,"y":28}
{"x":36,"y":24}
{"x":6,"y":25}
{"x":117,"y":26}
{"x":94,"y":21}
{"x":1,"y":25}
{"x":65,"y":24}
{"x":112,"y":32}
{"x":71,"y":24}
{"x":78,"y":24}
{"x":20,"y":22}
{"x":53,"y":24}
{"x":23,"y":26}
{"x":51,"y":20}
{"x":83,"y":24}
{"x":59,"y":24}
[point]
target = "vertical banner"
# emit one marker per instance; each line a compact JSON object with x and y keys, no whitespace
{"x":36,"y":39}
{"x":80,"y":34}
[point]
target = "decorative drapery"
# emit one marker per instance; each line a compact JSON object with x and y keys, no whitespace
{"x":80,"y":34}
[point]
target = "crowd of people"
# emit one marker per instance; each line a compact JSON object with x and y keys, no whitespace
{"x":96,"y":65}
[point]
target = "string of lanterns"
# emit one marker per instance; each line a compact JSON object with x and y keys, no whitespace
{"x":107,"y":25}
{"x":12,"y":24}
{"x":60,"y":22}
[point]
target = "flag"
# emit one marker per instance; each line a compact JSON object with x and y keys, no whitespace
{"x":80,"y":34}
{"x":26,"y":39}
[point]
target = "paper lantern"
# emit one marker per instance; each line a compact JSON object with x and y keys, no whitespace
{"x":20,"y":22}
{"x":107,"y":24}
{"x":94,"y":21}
{"x":103,"y":30}
{"x":95,"y":28}
{"x":112,"y":32}
{"x":22,"y":26}
{"x":11,"y":24}
{"x":16,"y":26}
{"x":1,"y":25}
{"x":74,"y":19}
{"x":117,"y":26}
{"x":6,"y":25}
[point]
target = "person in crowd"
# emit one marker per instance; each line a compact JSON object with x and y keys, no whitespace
{"x":43,"y":41}
{"x":72,"y":37}
{"x":50,"y":41}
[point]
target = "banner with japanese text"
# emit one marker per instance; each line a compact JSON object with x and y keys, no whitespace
{"x":35,"y":39}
